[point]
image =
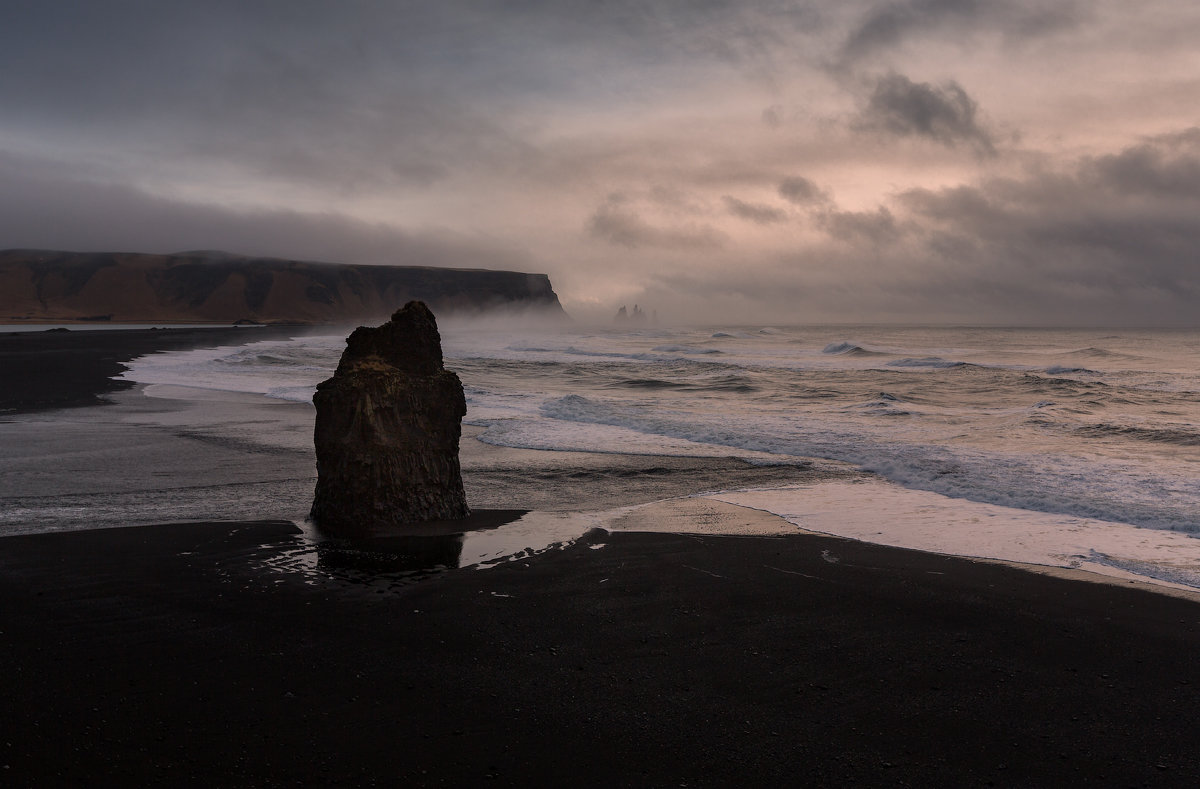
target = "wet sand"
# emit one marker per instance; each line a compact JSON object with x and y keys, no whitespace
{"x":179,"y":654}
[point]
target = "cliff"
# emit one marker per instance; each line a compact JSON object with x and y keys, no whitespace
{"x":42,"y":285}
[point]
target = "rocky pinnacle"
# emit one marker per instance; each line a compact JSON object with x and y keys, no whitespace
{"x":387,"y":430}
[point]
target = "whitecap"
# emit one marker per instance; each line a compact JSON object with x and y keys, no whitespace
{"x":935,"y":362}
{"x":1060,"y":370}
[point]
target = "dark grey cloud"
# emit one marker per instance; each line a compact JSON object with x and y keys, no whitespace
{"x":47,"y":206}
{"x":1102,"y":234}
{"x":873,"y":228}
{"x":801,"y":191}
{"x":754,"y":212}
{"x":358,"y":95}
{"x":130,"y":59}
{"x":943,"y":113}
{"x":1100,"y":241}
{"x":886,"y":25}
{"x":1166,"y":165}
{"x":618,"y":223}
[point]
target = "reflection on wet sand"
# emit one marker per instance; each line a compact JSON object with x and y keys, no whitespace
{"x":383,"y":561}
{"x":391,"y":557}
{"x":400,"y":554}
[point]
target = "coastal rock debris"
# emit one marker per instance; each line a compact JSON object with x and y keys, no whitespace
{"x":387,"y":430}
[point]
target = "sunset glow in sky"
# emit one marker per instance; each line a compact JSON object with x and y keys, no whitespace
{"x":911,"y":160}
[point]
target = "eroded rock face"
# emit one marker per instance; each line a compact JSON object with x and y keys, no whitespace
{"x":387,"y":430}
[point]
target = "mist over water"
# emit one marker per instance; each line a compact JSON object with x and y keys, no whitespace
{"x":1091,"y":423}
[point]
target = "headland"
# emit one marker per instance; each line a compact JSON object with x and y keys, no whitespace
{"x":39,"y":286}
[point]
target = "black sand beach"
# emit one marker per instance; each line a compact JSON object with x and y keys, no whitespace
{"x":191,"y":654}
{"x":52,"y":368}
{"x":173,"y":654}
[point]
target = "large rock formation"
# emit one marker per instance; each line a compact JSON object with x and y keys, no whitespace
{"x":42,"y":285}
{"x":387,"y":431}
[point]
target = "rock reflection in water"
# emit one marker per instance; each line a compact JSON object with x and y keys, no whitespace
{"x":413,"y":550}
{"x":390,"y":559}
{"x":401,"y":554}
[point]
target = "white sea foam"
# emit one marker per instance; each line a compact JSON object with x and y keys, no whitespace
{"x":281,"y":369}
{"x":997,"y":417}
{"x":875,"y":511}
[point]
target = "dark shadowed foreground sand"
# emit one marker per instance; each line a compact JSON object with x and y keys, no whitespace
{"x":182,"y":654}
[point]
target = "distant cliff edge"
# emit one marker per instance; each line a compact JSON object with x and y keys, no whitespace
{"x":42,"y":285}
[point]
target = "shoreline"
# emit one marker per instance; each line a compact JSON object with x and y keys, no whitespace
{"x":499,"y":477}
{"x":75,"y":369}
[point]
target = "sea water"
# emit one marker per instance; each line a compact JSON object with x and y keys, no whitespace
{"x":1099,"y":424}
{"x":1045,"y":429}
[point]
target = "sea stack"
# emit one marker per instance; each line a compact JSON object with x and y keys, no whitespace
{"x":387,"y":430}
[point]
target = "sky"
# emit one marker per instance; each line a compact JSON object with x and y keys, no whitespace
{"x":917,"y":161}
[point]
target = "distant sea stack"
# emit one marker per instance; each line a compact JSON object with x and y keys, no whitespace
{"x":637,"y":316}
{"x":387,"y":430}
{"x":217,"y":287}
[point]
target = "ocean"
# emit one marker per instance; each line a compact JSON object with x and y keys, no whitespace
{"x":1068,"y":448}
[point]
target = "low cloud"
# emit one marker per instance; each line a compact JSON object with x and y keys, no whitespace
{"x":43,"y":206}
{"x":801,"y":191}
{"x":1166,"y":165}
{"x":944,"y":113}
{"x":875,"y":228}
{"x":620,"y":224}
{"x":754,"y":212}
{"x":1105,"y":240}
{"x":1117,"y":230}
{"x":888,"y":25}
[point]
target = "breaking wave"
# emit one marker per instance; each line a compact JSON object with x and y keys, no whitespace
{"x":934,"y":362}
{"x":1060,"y":370}
{"x":849,"y":349}
{"x":1180,"y":435}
